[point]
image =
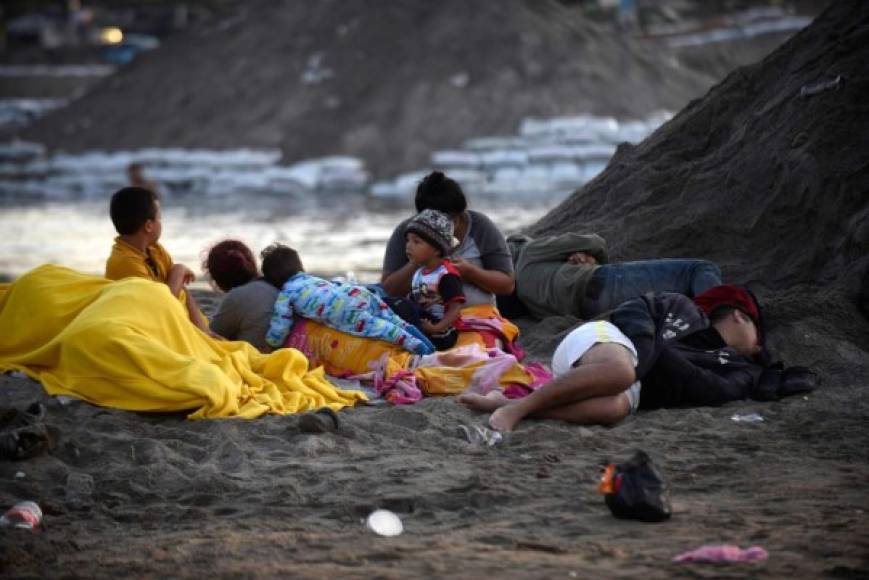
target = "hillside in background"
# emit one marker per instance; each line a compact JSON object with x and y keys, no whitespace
{"x":388,"y":85}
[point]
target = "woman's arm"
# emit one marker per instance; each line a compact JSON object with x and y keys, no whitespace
{"x":397,"y":283}
{"x":397,"y":272}
{"x":495,"y":274}
{"x":493,"y":281}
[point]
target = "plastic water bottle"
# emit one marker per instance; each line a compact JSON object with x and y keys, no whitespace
{"x":25,"y":514}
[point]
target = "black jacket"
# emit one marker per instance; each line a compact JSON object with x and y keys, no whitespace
{"x":682,"y":360}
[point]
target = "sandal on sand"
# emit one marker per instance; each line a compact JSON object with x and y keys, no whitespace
{"x":323,"y":420}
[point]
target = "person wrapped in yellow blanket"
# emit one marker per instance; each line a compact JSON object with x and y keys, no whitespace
{"x":130,"y":345}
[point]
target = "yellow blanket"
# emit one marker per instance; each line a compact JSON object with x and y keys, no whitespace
{"x":130,"y":345}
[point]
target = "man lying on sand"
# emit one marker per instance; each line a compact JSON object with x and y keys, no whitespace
{"x":682,"y":356}
{"x":568,"y":274}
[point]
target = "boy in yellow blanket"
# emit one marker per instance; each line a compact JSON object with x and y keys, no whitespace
{"x":135,"y":212}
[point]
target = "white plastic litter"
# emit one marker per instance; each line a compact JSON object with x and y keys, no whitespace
{"x":479,"y":435}
{"x":749,"y":418}
{"x":384,"y":523}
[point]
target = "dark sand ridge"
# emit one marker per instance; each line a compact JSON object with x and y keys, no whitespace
{"x":769,"y":183}
{"x":239,"y":82}
{"x":159,"y":496}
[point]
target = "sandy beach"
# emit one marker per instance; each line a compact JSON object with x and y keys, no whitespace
{"x":137,"y":495}
{"x":765,"y":175}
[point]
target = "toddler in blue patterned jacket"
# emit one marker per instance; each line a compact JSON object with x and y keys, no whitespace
{"x":345,"y":307}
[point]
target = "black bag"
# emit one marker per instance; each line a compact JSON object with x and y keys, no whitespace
{"x":636,"y":490}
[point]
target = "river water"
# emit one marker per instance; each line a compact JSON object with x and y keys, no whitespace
{"x":54,"y":206}
{"x":333,"y":234}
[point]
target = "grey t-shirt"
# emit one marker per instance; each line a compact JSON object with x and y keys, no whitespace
{"x":245,"y":313}
{"x":483,"y":246}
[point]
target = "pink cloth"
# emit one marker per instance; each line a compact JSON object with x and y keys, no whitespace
{"x":492,"y":331}
{"x":541,"y":374}
{"x":723,"y":553}
{"x":401,"y":388}
{"x":298,"y":339}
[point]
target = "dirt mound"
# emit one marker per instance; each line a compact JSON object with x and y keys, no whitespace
{"x":766,"y":175}
{"x":388,"y":85}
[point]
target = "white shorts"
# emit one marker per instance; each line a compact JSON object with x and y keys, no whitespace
{"x":582,"y":338}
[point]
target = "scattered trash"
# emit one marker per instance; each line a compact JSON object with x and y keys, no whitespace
{"x":585,"y":433}
{"x":20,"y":475}
{"x":821,"y":86}
{"x":477,"y":434}
{"x":635,"y":490}
{"x":723,"y":553}
{"x":749,"y":418}
{"x":25,"y":515}
{"x":384,"y":523}
{"x":65,"y":401}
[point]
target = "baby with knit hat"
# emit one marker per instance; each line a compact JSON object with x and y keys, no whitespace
{"x":436,"y":287}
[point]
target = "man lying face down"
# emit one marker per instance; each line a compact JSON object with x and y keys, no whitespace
{"x":684,"y":352}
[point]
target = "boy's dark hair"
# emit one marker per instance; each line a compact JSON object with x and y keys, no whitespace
{"x":279,"y":264}
{"x":437,"y":191}
{"x":721,"y":313}
{"x":131,"y":207}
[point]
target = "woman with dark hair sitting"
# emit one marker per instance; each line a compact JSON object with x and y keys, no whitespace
{"x":481,"y":257}
{"x":246,"y":310}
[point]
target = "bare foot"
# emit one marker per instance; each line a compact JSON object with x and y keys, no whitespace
{"x":505,"y":418}
{"x":484,"y":403}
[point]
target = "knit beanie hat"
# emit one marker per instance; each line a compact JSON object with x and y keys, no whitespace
{"x":435,"y":227}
